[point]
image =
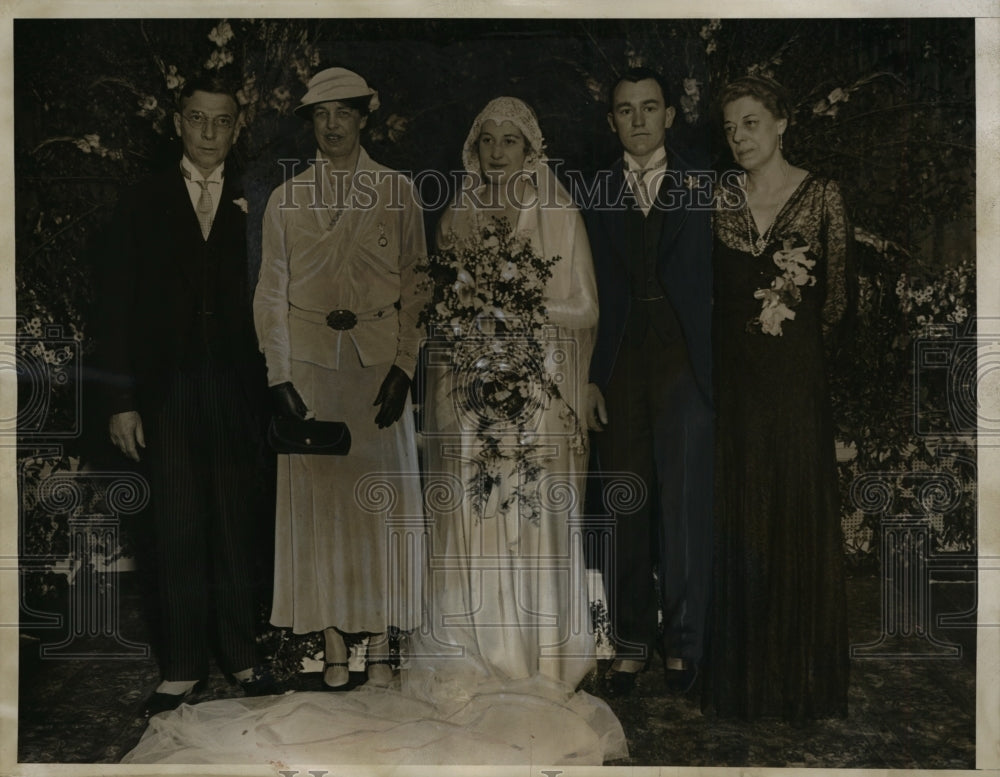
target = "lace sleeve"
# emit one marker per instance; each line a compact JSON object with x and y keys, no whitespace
{"x":837,"y":237}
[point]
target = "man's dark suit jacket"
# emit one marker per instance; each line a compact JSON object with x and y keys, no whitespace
{"x":179,"y":346}
{"x":684,"y":265}
{"x":165,"y":287}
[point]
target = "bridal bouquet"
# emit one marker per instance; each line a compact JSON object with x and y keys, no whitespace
{"x":487,"y":308}
{"x":490,"y":282}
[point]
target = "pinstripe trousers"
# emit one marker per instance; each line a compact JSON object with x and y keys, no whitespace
{"x":201,"y":459}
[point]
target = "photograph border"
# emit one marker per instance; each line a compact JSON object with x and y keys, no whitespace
{"x":987,"y":29}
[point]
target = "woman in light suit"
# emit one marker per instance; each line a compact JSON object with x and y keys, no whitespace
{"x":335,"y":311}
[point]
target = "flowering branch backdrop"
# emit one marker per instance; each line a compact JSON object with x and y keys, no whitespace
{"x":886,"y":107}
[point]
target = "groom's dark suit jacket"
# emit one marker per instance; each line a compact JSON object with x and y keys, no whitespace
{"x":684,"y":264}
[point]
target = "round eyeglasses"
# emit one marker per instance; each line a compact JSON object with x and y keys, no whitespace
{"x":198,"y":120}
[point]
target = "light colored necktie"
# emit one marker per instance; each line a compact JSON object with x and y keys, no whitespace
{"x":642,"y":185}
{"x":204,"y":205}
{"x":640,"y":188}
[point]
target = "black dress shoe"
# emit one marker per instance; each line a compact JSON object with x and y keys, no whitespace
{"x":158,"y":702}
{"x":619,"y":684}
{"x":681,"y":675}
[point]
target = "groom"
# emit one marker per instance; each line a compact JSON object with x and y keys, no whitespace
{"x":649,"y":395}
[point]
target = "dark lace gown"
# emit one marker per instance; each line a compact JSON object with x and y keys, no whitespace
{"x":778,"y":643}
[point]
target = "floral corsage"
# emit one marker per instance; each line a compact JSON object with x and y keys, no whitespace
{"x":794,"y":261}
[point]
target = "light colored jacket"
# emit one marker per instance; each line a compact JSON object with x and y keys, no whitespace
{"x":318,"y":257}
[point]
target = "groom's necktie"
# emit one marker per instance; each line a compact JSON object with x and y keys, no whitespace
{"x":204,"y":206}
{"x":642,"y":179}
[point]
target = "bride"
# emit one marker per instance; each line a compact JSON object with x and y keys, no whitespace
{"x":507,"y":579}
{"x":491,"y":675}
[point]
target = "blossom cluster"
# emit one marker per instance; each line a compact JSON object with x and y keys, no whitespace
{"x":53,"y":351}
{"x":305,"y":62}
{"x":707,"y":34}
{"x":91,"y":144}
{"x":395,"y":129}
{"x":174,"y":79}
{"x":691,"y":100}
{"x":221,"y":34}
{"x":248,"y":93}
{"x":945,"y":299}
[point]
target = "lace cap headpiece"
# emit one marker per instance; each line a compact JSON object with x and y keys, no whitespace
{"x":518,"y":113}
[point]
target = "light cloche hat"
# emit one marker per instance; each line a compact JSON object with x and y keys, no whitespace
{"x":335,"y":83}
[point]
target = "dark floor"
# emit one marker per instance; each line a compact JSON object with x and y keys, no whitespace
{"x":912,"y":713}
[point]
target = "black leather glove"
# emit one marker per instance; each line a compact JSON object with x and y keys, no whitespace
{"x":287,"y":402}
{"x":392,"y":397}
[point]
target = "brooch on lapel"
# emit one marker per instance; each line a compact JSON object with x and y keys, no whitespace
{"x":242,"y":204}
{"x":382,"y":239}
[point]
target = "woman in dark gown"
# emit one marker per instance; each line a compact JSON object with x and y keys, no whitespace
{"x":779,"y":628}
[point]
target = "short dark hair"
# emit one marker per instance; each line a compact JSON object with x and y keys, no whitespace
{"x":213,"y":84}
{"x":637,"y":74}
{"x":766,"y":91}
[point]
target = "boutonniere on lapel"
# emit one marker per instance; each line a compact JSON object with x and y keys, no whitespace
{"x":690,"y":182}
{"x":382,"y":239}
{"x":242,"y":204}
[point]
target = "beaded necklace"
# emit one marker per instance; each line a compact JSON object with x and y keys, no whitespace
{"x":757,"y":246}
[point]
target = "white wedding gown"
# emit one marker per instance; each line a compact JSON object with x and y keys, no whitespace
{"x":535,"y":725}
{"x":490,"y":676}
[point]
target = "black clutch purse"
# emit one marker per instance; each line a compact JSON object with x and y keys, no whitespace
{"x":319,"y":438}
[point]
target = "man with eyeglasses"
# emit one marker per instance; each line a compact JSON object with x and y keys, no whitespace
{"x":182,"y":375}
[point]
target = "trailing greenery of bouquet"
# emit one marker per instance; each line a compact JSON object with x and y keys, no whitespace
{"x":486,"y":302}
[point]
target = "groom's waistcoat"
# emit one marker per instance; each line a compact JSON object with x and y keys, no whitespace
{"x":676,"y":238}
{"x":650,"y":304}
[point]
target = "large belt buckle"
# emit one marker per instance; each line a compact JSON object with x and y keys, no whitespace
{"x":341,"y":319}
